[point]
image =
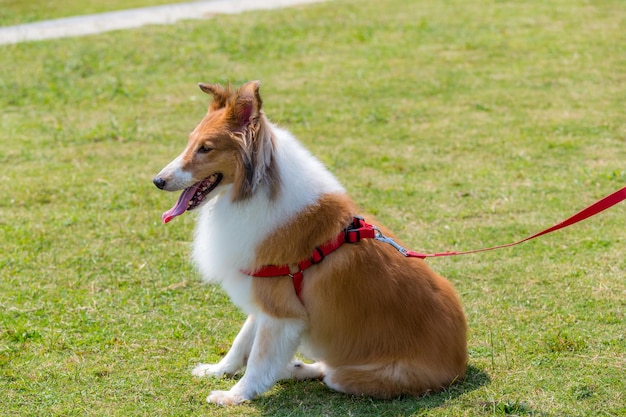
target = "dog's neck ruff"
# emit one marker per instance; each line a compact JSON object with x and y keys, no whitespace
{"x":356,"y":231}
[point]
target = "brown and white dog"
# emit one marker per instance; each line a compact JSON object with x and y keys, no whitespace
{"x":378,"y":323}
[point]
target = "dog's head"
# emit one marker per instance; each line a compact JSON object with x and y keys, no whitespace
{"x":232,"y":148}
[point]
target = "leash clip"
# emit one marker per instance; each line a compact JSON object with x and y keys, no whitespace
{"x":382,"y":238}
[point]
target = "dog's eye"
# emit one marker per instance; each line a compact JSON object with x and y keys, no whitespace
{"x":204,"y":149}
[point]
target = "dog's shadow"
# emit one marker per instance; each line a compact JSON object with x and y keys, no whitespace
{"x":313,"y":398}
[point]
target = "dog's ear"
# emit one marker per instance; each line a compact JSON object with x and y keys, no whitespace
{"x":247,"y":104}
{"x":219,"y":93}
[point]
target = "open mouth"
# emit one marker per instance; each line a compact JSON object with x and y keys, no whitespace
{"x":193,"y":197}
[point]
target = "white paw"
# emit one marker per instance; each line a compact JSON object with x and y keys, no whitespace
{"x":300,"y":370}
{"x":224,"y":398}
{"x":207,"y":369}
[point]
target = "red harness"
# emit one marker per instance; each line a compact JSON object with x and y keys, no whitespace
{"x":359,"y":229}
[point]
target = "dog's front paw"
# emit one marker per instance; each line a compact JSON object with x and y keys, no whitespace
{"x":225,"y":398}
{"x":207,"y":369}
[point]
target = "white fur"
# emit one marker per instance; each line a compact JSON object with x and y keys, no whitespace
{"x":226,"y":237}
{"x":266,"y":345}
{"x":273,"y":346}
{"x":228,"y":233}
{"x":237,"y":356}
{"x":177,"y":178}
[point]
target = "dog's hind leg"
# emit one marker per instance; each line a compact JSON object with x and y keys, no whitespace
{"x":237,"y":356}
{"x":275,"y":343}
{"x":299,"y":370}
{"x":384,"y":380}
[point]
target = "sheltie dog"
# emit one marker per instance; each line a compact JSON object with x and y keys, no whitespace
{"x":378,"y":323}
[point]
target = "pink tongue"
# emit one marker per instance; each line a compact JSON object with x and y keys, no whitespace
{"x":181,"y":204}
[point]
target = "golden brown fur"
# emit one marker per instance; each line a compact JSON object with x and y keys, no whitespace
{"x":387,"y":325}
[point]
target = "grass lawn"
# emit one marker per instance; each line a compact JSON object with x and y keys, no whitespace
{"x":460,"y":124}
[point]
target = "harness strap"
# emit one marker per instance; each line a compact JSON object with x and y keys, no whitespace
{"x":357,"y":230}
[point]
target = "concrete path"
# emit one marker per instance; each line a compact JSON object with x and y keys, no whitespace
{"x":132,"y":18}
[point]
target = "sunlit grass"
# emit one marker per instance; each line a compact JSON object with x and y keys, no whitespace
{"x":459,"y":124}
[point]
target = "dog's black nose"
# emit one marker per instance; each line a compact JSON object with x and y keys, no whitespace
{"x":159,"y":182}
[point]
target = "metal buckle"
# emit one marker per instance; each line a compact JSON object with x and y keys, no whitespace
{"x":295,"y":273}
{"x":379,"y":236}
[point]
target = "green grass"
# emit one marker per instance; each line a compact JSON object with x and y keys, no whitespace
{"x":460,"y":124}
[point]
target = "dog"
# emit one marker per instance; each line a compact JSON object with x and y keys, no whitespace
{"x":279,"y":233}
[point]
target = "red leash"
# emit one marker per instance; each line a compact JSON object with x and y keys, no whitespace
{"x":598,"y":207}
{"x":359,"y":229}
